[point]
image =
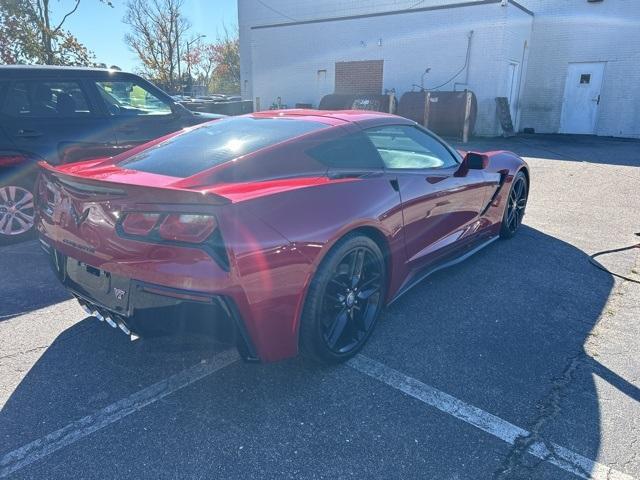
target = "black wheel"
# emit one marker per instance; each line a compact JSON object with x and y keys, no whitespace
{"x":17,"y":212}
{"x":516,"y":205}
{"x":344,"y":300}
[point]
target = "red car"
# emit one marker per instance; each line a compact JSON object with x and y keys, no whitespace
{"x":294,"y":227}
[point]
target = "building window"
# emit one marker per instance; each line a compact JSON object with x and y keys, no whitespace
{"x":585,"y":78}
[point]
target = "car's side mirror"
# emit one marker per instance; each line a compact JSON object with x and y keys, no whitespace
{"x":472,"y":161}
{"x":477,"y":161}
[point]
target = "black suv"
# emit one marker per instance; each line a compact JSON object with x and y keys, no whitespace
{"x":67,"y":114}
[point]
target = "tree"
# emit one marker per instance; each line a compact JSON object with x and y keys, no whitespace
{"x":218,"y":63}
{"x":202,"y":62}
{"x":157,"y":30}
{"x":36,"y":38}
{"x":226,"y":74}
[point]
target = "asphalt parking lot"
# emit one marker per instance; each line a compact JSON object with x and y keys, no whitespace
{"x":522,"y":362}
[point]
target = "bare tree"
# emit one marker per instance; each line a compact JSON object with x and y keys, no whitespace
{"x":157,"y":30}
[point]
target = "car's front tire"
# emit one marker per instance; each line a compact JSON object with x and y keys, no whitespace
{"x":516,"y":205}
{"x":344,"y":300}
{"x":17,"y":211}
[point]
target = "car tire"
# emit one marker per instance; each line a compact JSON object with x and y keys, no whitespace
{"x":17,"y":212}
{"x":344,"y":300}
{"x":515,"y":207}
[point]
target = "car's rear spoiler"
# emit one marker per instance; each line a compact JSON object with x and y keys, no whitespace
{"x":165,"y":194}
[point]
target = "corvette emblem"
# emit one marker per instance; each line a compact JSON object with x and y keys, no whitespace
{"x":119,"y":293}
{"x":78,"y":219}
{"x":66,"y":213}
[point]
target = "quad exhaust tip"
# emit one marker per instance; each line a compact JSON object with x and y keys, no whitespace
{"x":110,"y":321}
{"x":124,"y":328}
{"x":93,"y":312}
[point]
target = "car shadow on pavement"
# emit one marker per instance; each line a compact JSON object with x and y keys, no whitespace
{"x":28,"y":283}
{"x":504,"y":331}
{"x":508,"y":331}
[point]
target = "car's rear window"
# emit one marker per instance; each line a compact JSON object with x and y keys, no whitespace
{"x":216,"y":143}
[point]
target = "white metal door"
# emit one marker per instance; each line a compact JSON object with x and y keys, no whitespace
{"x":581,"y":98}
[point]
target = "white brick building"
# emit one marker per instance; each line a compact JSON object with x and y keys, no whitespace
{"x":568,"y":66}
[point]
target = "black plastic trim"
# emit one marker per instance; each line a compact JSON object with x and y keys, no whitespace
{"x":244,"y":343}
{"x":433,"y":269}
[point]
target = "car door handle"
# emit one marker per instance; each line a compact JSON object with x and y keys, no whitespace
{"x":26,"y":133}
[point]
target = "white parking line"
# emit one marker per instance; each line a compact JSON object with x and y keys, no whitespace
{"x":499,"y":428}
{"x":40,"y":448}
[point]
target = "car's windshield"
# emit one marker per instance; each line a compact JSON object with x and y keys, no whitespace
{"x":216,"y":143}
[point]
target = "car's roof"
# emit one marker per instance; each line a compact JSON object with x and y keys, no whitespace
{"x":333,"y":117}
{"x":55,"y":69}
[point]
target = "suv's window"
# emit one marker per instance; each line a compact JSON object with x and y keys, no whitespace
{"x":403,"y":146}
{"x":350,"y":151}
{"x":129,"y":98}
{"x":46,"y":99}
{"x":217,"y":142}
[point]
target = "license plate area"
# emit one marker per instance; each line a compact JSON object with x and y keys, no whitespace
{"x":103,"y":287}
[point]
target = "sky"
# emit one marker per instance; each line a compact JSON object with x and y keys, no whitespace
{"x":101,"y":30}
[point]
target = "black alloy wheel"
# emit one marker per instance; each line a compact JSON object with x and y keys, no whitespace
{"x":516,"y":205}
{"x":344,"y":300}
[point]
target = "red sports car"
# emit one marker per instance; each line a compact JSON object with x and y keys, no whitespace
{"x":294,"y":227}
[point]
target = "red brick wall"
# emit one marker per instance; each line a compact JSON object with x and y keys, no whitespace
{"x":359,"y":77}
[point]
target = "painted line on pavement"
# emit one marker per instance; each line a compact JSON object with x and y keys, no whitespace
{"x":561,"y":457}
{"x":42,"y":447}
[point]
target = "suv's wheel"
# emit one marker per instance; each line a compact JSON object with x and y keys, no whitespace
{"x":16,"y":212}
{"x":344,"y":300}
{"x":516,"y":205}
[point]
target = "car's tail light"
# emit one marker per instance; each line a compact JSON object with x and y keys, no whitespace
{"x":139,"y":223}
{"x":187,"y":228}
{"x":181,"y":229}
{"x":172,"y":227}
{"x":11,"y":159}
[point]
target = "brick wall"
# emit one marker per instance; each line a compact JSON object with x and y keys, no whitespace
{"x":359,"y":77}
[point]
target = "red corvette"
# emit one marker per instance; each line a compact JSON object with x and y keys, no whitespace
{"x":295,"y":227}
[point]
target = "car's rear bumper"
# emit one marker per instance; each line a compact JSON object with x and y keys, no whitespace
{"x":120,"y":299}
